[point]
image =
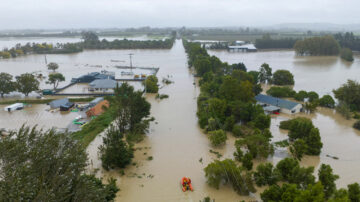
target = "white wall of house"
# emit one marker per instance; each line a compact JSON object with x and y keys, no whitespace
{"x":294,"y":110}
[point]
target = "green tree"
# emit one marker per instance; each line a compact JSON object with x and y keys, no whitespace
{"x":42,"y":165}
{"x":202,"y":65}
{"x":347,"y":54}
{"x":131,"y":108}
{"x":345,"y":94}
{"x":324,"y":45}
{"x":298,"y":149}
{"x":151,"y":84}
{"x":312,"y":96}
{"x":115,"y":153}
{"x":53,"y":66}
{"x":344,"y":110}
{"x":227,"y":171}
{"x":327,"y":179}
{"x":280,"y":92}
{"x":26,"y":83}
{"x":262,"y":121}
{"x":301,"y":95}
{"x":217,"y":137}
{"x":6,"y":83}
{"x":257,"y":144}
{"x":327,"y":101}
{"x":265,"y":174}
{"x":265,"y":73}
{"x":313,"y":193}
{"x":55,"y":79}
{"x":247,"y":161}
{"x":283,"y":77}
{"x":290,"y":171}
{"x":354,"y":192}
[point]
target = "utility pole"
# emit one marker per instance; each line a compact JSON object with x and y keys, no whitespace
{"x":131,"y":54}
{"x":45,"y":60}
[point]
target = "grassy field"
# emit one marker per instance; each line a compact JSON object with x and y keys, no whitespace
{"x":88,"y":133}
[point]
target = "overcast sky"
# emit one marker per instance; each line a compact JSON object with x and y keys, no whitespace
{"x":20,"y":14}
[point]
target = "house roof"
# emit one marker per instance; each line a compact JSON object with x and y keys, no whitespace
{"x":97,"y":109}
{"x":276,"y":101}
{"x":103,"y":83}
{"x":271,"y":108}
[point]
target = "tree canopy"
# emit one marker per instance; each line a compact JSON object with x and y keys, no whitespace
{"x":324,"y":45}
{"x":7,"y":85}
{"x":47,"y":166}
{"x":26,"y":83}
{"x":283,"y":77}
{"x":55,"y":79}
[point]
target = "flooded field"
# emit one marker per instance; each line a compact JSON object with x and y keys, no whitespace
{"x":175,"y":140}
{"x":9,"y":42}
{"x":36,"y":114}
{"x":321,"y":74}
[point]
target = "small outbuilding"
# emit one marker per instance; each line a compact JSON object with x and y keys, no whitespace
{"x":67,"y":106}
{"x":57,"y":103}
{"x":274,"y":104}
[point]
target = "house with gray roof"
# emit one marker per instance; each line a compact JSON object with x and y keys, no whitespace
{"x":273,"y":103}
{"x":57,"y":103}
{"x":102,"y":85}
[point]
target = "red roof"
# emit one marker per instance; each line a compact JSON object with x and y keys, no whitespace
{"x":98,"y":109}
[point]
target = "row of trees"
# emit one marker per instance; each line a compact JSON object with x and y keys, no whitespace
{"x":324,"y":45}
{"x":130,"y":111}
{"x":267,"y":42}
{"x":348,"y":40}
{"x":91,"y":41}
{"x":226,"y":104}
{"x":38,"y":48}
{"x":27,"y":83}
{"x":41,"y":165}
{"x":279,"y":77}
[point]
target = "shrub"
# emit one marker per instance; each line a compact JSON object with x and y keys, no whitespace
{"x":280,"y":92}
{"x":357,"y":125}
{"x":247,"y":161}
{"x":283,"y":77}
{"x":327,"y":101}
{"x":301,"y":95}
{"x":347,"y":54}
{"x":217,"y":137}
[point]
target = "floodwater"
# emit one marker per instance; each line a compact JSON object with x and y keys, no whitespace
{"x":35,"y":114}
{"x":9,"y":42}
{"x":175,"y":140}
{"x":321,"y":74}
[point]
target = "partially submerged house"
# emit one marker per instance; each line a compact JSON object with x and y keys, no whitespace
{"x":273,"y":104}
{"x":98,"y":108}
{"x":102,"y":85}
{"x":67,"y":106}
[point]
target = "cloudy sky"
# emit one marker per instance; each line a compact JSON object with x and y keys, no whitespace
{"x":19,"y":14}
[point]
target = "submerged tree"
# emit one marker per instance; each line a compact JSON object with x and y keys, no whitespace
{"x":47,"y":166}
{"x":115,"y":152}
{"x":53,"y":66}
{"x":151,"y":84}
{"x":55,"y":79}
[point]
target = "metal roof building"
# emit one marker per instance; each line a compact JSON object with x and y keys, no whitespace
{"x":102,"y":84}
{"x":285,"y":106}
{"x":57,"y":103}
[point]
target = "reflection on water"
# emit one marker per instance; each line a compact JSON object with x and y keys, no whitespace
{"x":321,"y":74}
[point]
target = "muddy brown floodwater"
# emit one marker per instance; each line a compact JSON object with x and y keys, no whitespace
{"x":175,"y":142}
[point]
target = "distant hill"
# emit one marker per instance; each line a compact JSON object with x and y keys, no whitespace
{"x":316,"y":27}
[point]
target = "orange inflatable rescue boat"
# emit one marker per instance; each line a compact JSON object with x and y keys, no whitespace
{"x":186,"y":184}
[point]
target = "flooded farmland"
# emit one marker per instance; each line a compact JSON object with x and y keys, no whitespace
{"x":321,"y":74}
{"x":175,"y":140}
